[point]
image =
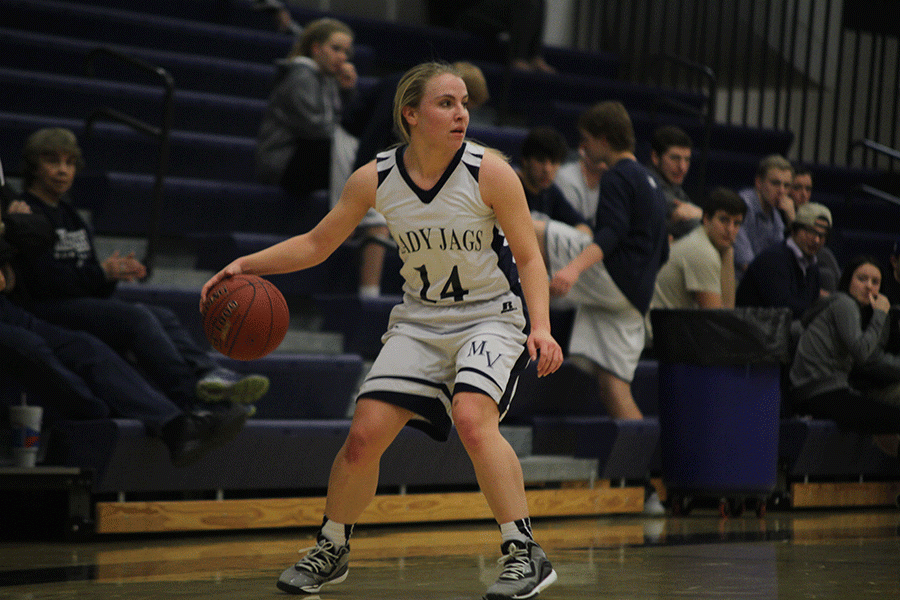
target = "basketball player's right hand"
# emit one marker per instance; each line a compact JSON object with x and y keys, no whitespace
{"x":543,"y":348}
{"x":230,"y":271}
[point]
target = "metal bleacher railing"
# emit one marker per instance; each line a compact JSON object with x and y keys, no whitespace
{"x":161,"y":133}
{"x":875,"y":148}
{"x":819,"y":68}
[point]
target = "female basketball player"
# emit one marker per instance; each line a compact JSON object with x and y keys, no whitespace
{"x":457,"y":341}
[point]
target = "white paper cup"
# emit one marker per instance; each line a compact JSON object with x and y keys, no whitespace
{"x":26,"y":429}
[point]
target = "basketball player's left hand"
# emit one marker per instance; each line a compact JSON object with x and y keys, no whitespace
{"x":543,"y":348}
{"x":229,"y":271}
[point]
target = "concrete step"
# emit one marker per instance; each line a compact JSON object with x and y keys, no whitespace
{"x":519,"y":437}
{"x":551,"y":468}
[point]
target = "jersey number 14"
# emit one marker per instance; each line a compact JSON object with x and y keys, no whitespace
{"x":452,"y":289}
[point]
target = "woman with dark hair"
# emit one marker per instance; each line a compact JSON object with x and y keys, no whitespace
{"x":844,"y":331}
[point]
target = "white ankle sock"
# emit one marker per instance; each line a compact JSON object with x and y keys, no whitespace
{"x":337,"y":533}
{"x":517,"y":530}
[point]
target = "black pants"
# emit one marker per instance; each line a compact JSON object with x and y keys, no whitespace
{"x":853,"y":411}
{"x":309,"y":169}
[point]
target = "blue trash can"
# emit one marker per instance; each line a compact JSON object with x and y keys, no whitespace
{"x":720,"y":403}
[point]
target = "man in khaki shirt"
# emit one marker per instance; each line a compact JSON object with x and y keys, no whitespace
{"x":700,"y":269}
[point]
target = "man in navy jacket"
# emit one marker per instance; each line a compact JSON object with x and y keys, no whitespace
{"x":787,"y":274}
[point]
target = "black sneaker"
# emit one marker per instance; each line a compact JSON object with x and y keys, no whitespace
{"x":200,"y":431}
{"x":323,"y":565}
{"x":526,"y":571}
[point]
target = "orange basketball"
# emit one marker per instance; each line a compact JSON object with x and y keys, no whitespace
{"x":245,"y":317}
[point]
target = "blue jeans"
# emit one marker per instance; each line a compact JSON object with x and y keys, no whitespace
{"x":151,"y":336}
{"x":75,"y":374}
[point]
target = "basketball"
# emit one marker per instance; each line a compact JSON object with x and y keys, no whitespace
{"x":245,"y":317}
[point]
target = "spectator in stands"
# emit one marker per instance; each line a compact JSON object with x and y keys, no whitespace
{"x":610,"y":274}
{"x":700,"y":269}
{"x":301,"y":125}
{"x":68,"y":285}
{"x":76,"y":376}
{"x":844,"y":330}
{"x":670,"y":155}
{"x":543,"y":150}
{"x":453,"y":345}
{"x":766,"y":201}
{"x":301,"y":144}
{"x":787,"y":274}
{"x":801,"y":193}
{"x":522,"y":21}
{"x":580,"y":180}
{"x":371,"y":116}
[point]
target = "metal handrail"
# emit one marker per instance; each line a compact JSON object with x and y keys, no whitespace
{"x":877,"y":193}
{"x":161,"y":133}
{"x":707,"y":117}
{"x":874,"y":146}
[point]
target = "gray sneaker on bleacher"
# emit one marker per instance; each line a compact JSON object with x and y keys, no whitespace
{"x":224,"y":385}
{"x":526,"y":571}
{"x":323,"y":565}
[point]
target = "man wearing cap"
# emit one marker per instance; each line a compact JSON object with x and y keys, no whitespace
{"x":801,"y":193}
{"x":787,"y":274}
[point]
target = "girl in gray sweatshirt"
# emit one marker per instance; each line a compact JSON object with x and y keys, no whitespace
{"x":846,"y":330}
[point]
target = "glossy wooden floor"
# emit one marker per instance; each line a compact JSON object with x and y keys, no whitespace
{"x":787,"y":555}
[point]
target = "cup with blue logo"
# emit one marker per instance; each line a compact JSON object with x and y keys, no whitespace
{"x":26,"y":433}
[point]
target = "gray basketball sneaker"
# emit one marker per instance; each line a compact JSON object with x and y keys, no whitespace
{"x":323,"y":565}
{"x":526,"y":571}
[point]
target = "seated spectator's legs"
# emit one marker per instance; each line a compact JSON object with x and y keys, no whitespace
{"x":372,"y":261}
{"x":854,"y":411}
{"x":112,"y":379}
{"x":187,"y":346}
{"x":27,"y":358}
{"x":130,"y":329}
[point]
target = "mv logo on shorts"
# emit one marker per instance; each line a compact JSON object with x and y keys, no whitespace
{"x":477,"y":348}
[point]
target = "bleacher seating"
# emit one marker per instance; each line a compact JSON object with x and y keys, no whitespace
{"x":624,"y":449}
{"x":280,"y":454}
{"x":818,"y":449}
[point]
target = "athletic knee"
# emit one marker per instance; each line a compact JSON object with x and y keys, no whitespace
{"x":472,"y":427}
{"x":362,"y":446}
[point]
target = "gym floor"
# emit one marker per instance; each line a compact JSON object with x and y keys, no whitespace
{"x":785,"y":555}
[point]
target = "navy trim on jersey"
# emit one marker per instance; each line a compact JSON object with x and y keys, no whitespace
{"x":507,"y":265}
{"x":510,"y":392}
{"x":480,"y":372}
{"x":438,"y":386}
{"x":382,"y":173}
{"x":474,"y":170}
{"x":426,"y":196}
{"x":436,"y":421}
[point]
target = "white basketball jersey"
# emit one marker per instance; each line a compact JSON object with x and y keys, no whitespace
{"x":451,"y":246}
